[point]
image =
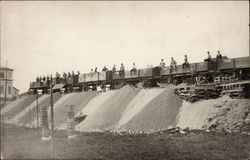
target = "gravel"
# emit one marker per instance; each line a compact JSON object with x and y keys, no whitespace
{"x":159,"y":114}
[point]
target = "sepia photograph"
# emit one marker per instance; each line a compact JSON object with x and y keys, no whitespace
{"x":123,"y":80}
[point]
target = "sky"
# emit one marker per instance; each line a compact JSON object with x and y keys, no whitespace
{"x":40,"y":38}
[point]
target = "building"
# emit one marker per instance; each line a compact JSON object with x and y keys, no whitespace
{"x":7,"y":91}
{"x":15,"y":93}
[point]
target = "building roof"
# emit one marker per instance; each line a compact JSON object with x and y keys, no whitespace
{"x":15,"y":88}
{"x":4,"y":68}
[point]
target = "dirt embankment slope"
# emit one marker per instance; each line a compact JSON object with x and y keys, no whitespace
{"x":79,"y":101}
{"x":231,"y":115}
{"x":19,"y":105}
{"x":92,"y":107}
{"x":159,"y":114}
{"x":194,"y":115}
{"x":110,"y":112}
{"x":222,"y":114}
{"x":134,"y":109}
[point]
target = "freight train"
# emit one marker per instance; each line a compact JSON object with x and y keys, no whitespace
{"x":238,"y":68}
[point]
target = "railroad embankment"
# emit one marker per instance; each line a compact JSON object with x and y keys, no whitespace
{"x":134,"y":110}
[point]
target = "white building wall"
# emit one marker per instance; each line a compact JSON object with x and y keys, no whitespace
{"x":6,"y":83}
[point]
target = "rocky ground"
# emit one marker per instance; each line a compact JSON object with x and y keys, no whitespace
{"x":232,"y":115}
{"x":24,"y":143}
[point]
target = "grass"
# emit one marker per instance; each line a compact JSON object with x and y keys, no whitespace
{"x":24,"y":143}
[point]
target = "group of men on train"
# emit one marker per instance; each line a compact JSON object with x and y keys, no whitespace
{"x":133,"y":71}
{"x":185,"y":65}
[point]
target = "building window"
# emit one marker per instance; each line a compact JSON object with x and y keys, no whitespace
{"x":10,"y":75}
{"x":1,"y":75}
{"x":9,"y":90}
{"x":1,"y":89}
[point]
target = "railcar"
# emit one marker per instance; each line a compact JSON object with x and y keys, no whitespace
{"x":126,"y":77}
{"x":70,"y":83}
{"x":239,"y":67}
{"x":92,"y":80}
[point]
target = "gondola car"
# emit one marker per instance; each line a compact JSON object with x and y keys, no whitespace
{"x":94,"y":79}
{"x":71,"y":83}
{"x":45,"y":86}
{"x":146,"y":73}
{"x":119,"y":78}
{"x":239,"y":66}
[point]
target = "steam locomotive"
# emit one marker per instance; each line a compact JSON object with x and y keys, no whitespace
{"x":239,"y":68}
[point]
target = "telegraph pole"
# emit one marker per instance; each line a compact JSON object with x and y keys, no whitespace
{"x":52,"y":118}
{"x":51,"y":104}
{"x":5,"y":92}
{"x":37,"y":108}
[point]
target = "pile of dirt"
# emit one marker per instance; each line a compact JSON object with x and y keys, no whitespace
{"x":57,"y":108}
{"x":32,"y":121}
{"x":26,"y":114}
{"x":12,"y":105}
{"x":133,"y":109}
{"x":159,"y":114}
{"x":137,"y":105}
{"x":194,"y":115}
{"x":78,"y":100}
{"x":110,"y":112}
{"x":232,"y":115}
{"x":19,"y":106}
{"x":93,"y":106}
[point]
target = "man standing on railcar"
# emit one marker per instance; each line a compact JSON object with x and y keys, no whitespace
{"x":173,"y":65}
{"x":162,"y":63}
{"x":208,"y":59}
{"x":219,"y":56}
{"x":37,"y":79}
{"x":69,"y":75}
{"x":218,"y":60}
{"x":40,"y":80}
{"x":44,"y":80}
{"x":185,"y":65}
{"x":104,"y":69}
{"x":122,"y":70}
{"x":133,"y":70}
{"x":114,"y":69}
{"x":64,"y":77}
{"x":57,"y":77}
{"x":48,"y":80}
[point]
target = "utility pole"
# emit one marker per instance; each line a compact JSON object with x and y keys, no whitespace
{"x":5,"y":92}
{"x":51,"y":104}
{"x":52,"y":118}
{"x":37,"y":108}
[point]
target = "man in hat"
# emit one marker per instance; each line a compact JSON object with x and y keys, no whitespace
{"x":172,"y":65}
{"x":122,"y":70}
{"x":185,"y":65}
{"x":208,"y":59}
{"x":162,"y":63}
